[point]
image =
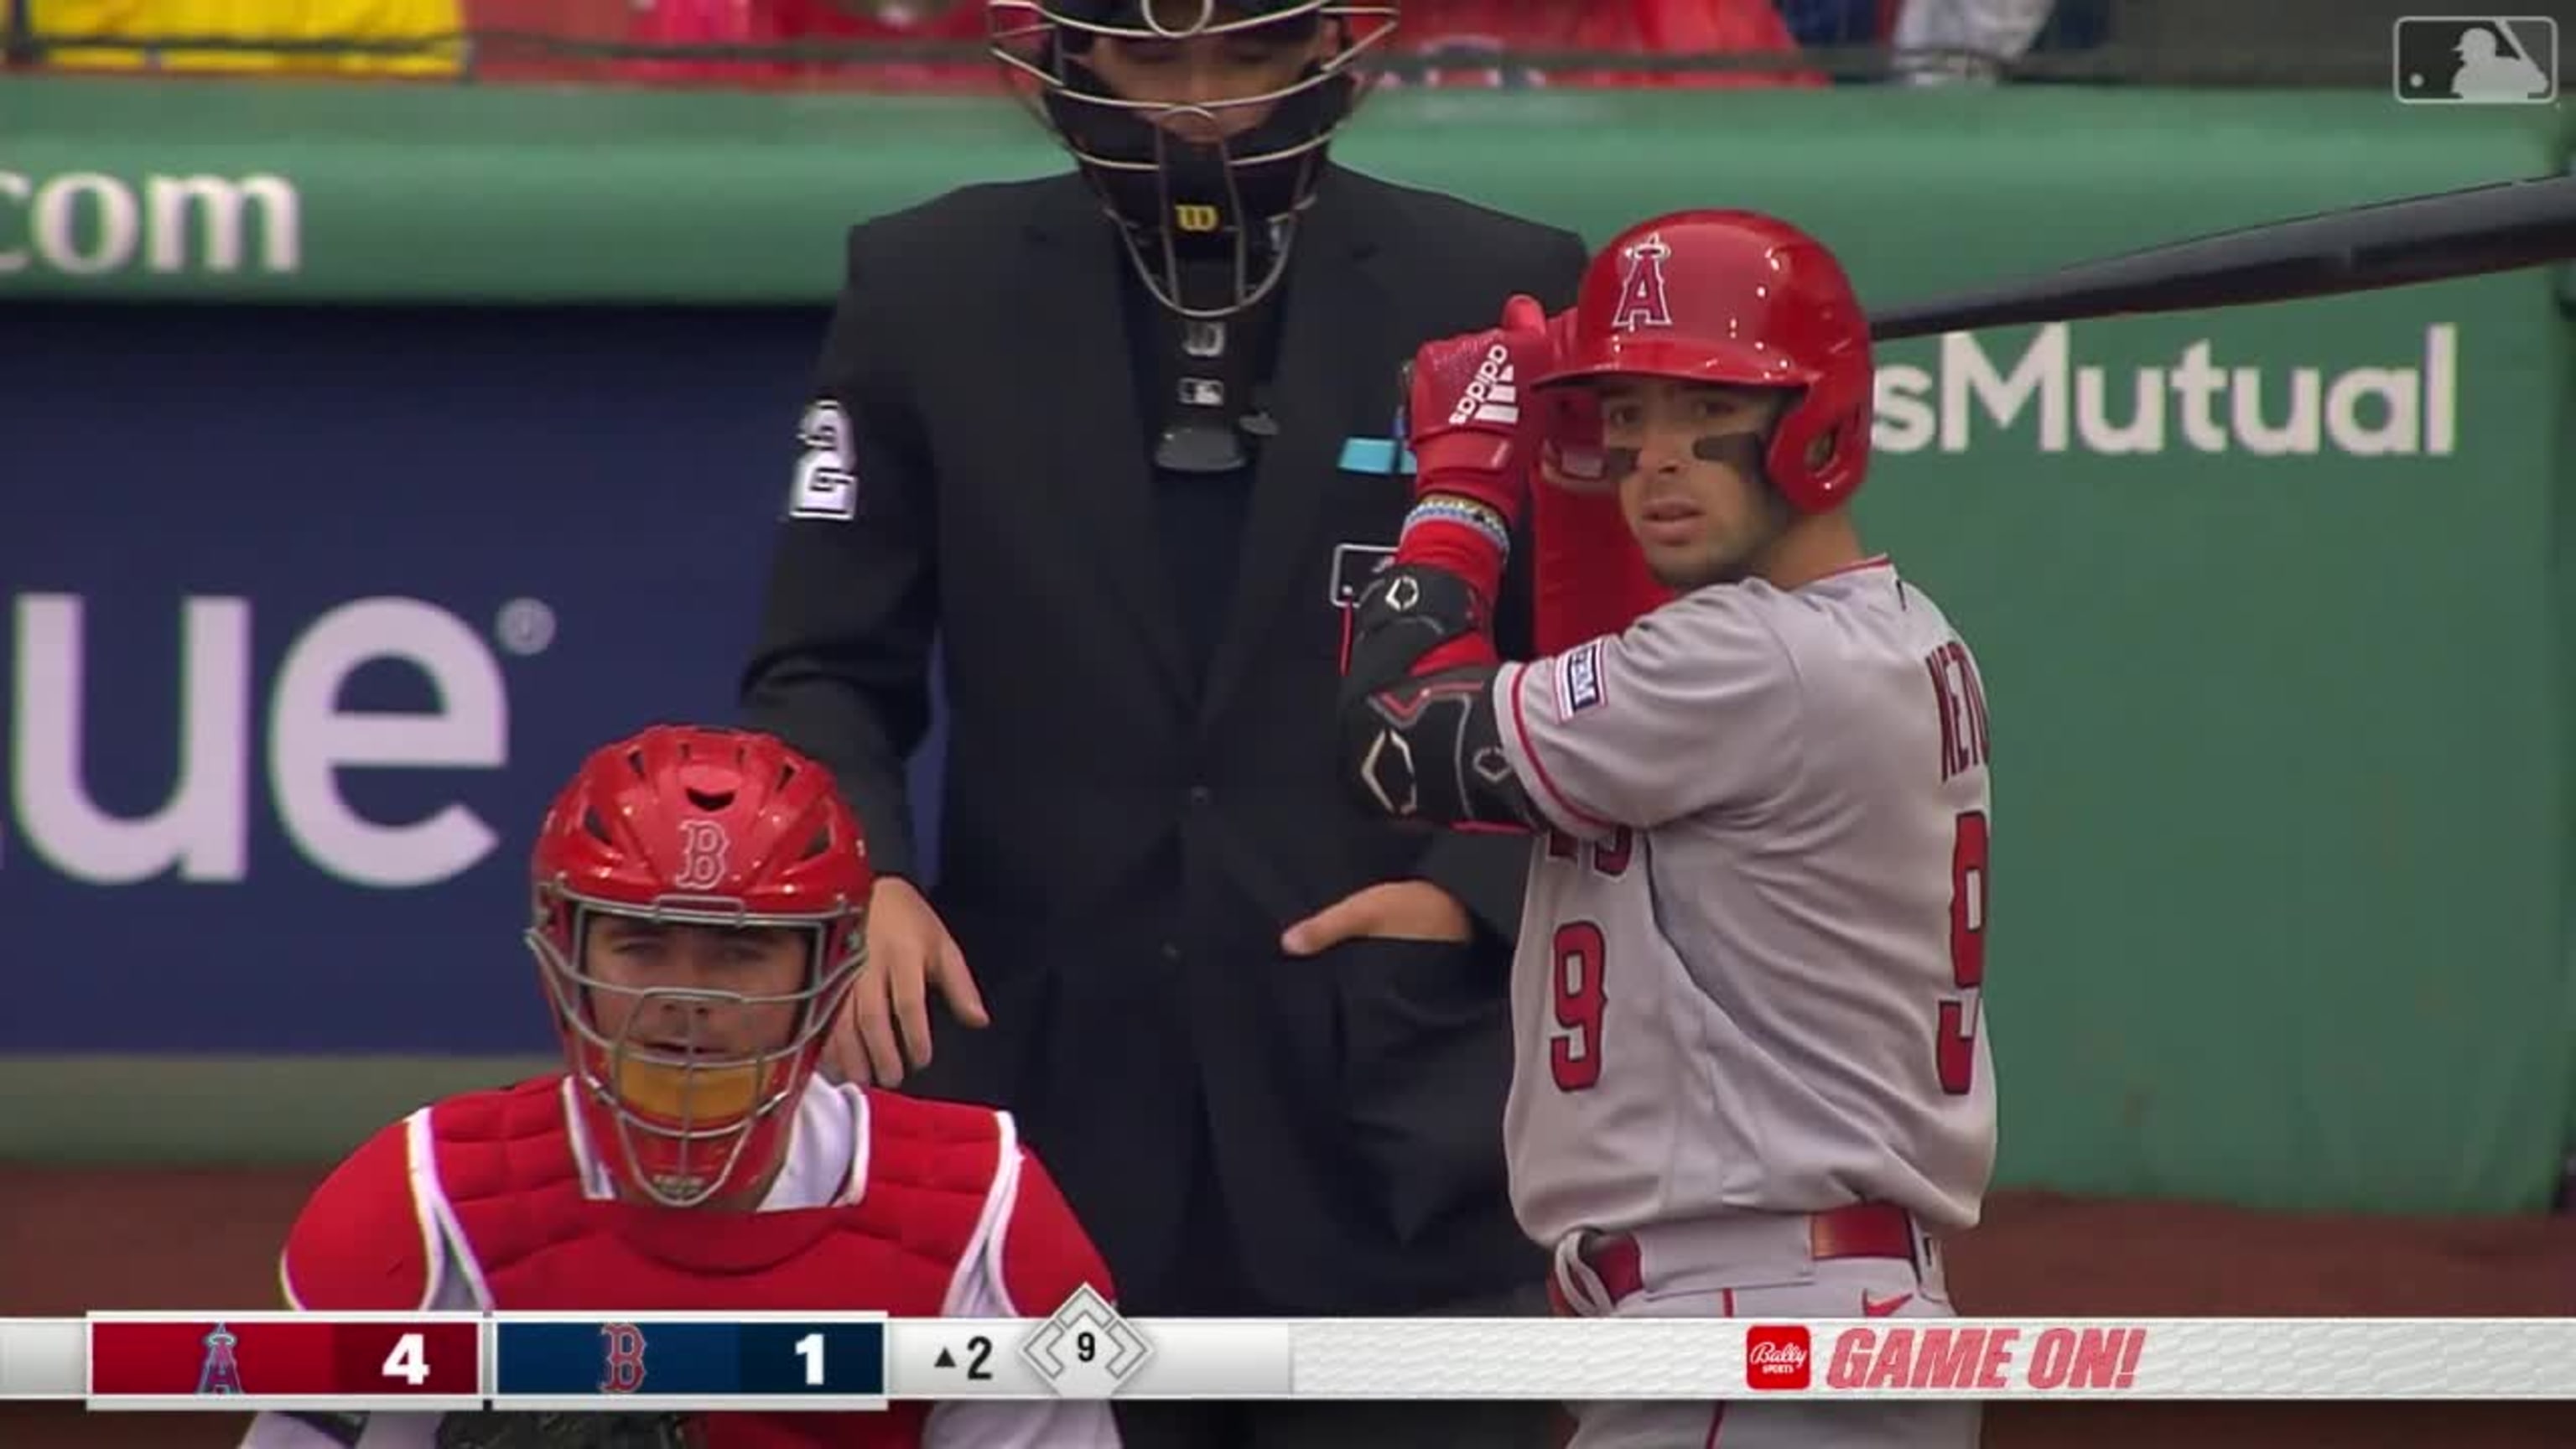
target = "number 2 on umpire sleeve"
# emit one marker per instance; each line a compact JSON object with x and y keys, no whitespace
{"x":826,"y":487}
{"x":1956,"y":1035}
{"x":1574,"y":1048}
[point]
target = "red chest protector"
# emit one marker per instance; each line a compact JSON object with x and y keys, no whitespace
{"x":507,"y":1185}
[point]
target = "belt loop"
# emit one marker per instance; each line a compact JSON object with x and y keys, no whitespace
{"x":1583,"y":1289}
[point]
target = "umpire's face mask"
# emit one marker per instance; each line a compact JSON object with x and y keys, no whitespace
{"x":1203,"y":127}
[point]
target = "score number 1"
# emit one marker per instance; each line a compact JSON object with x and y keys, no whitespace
{"x":814,"y":1352}
{"x":843,"y":1360}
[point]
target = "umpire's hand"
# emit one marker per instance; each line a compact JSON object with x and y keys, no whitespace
{"x":887,"y":1021}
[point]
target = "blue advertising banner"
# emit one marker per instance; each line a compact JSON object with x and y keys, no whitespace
{"x":310,"y":613}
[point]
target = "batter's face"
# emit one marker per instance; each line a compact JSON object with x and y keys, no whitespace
{"x":1211,"y":71}
{"x":630,"y":955}
{"x":1688,"y":460}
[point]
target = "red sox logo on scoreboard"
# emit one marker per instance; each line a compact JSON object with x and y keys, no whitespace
{"x":621,"y":1351}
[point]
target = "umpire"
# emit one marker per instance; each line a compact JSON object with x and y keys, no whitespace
{"x":1123,"y":441}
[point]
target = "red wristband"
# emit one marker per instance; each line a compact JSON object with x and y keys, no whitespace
{"x":1456,"y":547}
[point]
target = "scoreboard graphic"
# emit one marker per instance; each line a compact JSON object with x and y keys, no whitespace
{"x":665,"y":1363}
{"x":468,"y":1362}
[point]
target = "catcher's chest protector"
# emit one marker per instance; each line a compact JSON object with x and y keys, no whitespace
{"x":512,"y":1188}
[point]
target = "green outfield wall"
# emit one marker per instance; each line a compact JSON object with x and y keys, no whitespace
{"x":2271,"y":602}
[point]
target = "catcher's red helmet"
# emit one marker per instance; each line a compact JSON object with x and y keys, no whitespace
{"x":693,"y":826}
{"x":1737,"y":297}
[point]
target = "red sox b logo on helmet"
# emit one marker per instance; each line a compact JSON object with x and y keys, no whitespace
{"x":1641,"y":286}
{"x":705,"y":853}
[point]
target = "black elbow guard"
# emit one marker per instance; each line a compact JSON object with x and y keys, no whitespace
{"x":1424,"y":747}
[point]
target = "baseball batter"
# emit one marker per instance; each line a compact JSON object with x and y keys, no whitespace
{"x":700,"y":907}
{"x":1751,"y":1079}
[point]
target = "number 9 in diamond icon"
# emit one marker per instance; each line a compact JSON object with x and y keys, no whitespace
{"x":1086,"y":1350}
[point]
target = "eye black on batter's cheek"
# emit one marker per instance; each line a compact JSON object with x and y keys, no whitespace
{"x":1743,"y":450}
{"x":1618,"y":463}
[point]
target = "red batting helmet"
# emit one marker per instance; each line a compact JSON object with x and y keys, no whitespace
{"x":1737,"y":297}
{"x":706,"y":827}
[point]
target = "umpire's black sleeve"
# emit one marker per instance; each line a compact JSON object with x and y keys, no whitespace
{"x":1485,"y":871}
{"x":842,"y":668}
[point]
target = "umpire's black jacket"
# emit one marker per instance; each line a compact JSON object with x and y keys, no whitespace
{"x":1124,"y":839}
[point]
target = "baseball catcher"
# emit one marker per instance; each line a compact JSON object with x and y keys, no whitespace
{"x":700,"y":899}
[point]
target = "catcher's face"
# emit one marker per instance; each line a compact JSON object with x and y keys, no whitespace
{"x":631,"y":962}
{"x":1688,"y":460}
{"x":1218,"y":82}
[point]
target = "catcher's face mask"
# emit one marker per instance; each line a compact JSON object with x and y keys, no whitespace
{"x":1203,"y":125}
{"x":692,"y":1030}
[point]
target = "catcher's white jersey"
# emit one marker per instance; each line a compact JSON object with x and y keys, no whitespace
{"x":1753,"y":951}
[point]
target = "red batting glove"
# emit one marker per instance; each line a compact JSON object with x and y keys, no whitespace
{"x":1472,"y":432}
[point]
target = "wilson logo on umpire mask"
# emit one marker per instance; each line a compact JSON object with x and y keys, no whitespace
{"x":1206,"y":191}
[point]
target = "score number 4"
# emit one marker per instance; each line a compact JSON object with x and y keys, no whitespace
{"x":409,"y":1360}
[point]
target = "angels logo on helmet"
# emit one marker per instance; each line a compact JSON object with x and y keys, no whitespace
{"x":1642,"y":302}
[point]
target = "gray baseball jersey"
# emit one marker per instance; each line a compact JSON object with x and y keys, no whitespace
{"x":1753,"y":949}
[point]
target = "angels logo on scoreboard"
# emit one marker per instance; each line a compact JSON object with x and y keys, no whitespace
{"x":221,"y":1372}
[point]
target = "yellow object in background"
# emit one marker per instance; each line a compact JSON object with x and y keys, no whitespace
{"x":436,"y":25}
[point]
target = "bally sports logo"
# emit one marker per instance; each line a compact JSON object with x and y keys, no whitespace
{"x":1492,"y":396}
{"x":1778,"y":1356}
